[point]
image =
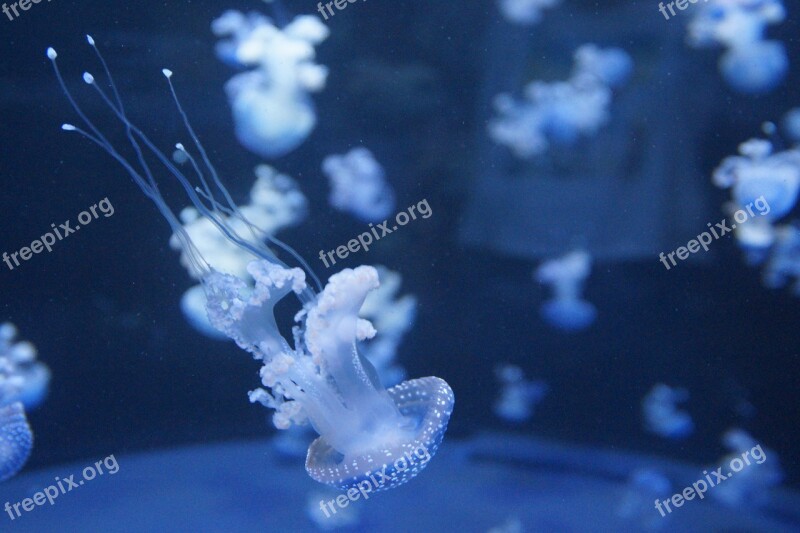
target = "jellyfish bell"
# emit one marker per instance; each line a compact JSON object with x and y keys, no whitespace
{"x":16,"y":440}
{"x":777,"y":184}
{"x":755,"y":68}
{"x":568,"y":315}
{"x":321,"y":378}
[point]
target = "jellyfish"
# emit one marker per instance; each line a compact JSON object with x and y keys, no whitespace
{"x":759,"y":471}
{"x":750,"y":64}
{"x":275,"y":203}
{"x":561,"y":112}
{"x":518,"y":396}
{"x":567,"y":310}
{"x":525,"y":12}
{"x":358,"y":185}
{"x":272,"y":110}
{"x":319,"y":377}
{"x":791,"y":124}
{"x":662,"y":417}
{"x":393,"y":316}
{"x":759,"y":174}
{"x":23,"y":386}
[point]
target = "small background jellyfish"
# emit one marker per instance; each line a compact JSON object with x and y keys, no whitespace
{"x":518,"y":396}
{"x":750,"y":486}
{"x":358,"y":185}
{"x":275,"y":203}
{"x":525,"y":12}
{"x":768,"y":180}
{"x":636,"y":505}
{"x":23,"y":386}
{"x":561,"y":112}
{"x":272,"y":110}
{"x":566,"y":276}
{"x":750,"y":64}
{"x":661,"y":414}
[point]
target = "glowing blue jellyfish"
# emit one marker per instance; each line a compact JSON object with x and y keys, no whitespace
{"x":561,"y":112}
{"x":320,"y":377}
{"x":272,"y":109}
{"x":661,"y":415}
{"x":760,"y":175}
{"x":750,"y":64}
{"x":567,"y":310}
{"x":518,"y":396}
{"x":525,"y":12}
{"x":791,"y":124}
{"x":358,"y":185}
{"x":275,"y":203}
{"x":23,"y":386}
{"x":759,"y":473}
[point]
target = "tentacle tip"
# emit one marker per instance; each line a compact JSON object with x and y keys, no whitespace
{"x":90,"y":40}
{"x":166,"y":72}
{"x":88,"y":78}
{"x":51,"y":53}
{"x":68,"y":127}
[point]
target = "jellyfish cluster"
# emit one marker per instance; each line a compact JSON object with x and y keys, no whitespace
{"x":23,"y":386}
{"x":518,"y":395}
{"x":661,"y":414}
{"x":358,"y":185}
{"x":750,"y":64}
{"x":769,"y":181}
{"x":525,"y":12}
{"x":567,"y":309}
{"x":275,"y":203}
{"x":272,"y":108}
{"x":561,"y":112}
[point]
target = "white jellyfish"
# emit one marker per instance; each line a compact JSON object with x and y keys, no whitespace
{"x":319,"y":377}
{"x":518,"y":396}
{"x":393,"y":316}
{"x":758,"y":472}
{"x":23,"y":386}
{"x":661,"y":415}
{"x":561,"y":112}
{"x":275,"y":203}
{"x":567,"y":310}
{"x":760,"y":177}
{"x":272,"y":110}
{"x":358,"y":185}
{"x":525,"y":12}
{"x":750,"y":64}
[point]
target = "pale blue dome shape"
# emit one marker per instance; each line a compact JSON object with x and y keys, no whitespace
{"x":755,"y":68}
{"x":16,"y":440}
{"x":779,"y":187}
{"x":427,"y":404}
{"x":336,"y":387}
{"x":568,"y":314}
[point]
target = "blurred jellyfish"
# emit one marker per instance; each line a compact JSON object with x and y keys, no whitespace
{"x":272,"y":110}
{"x":567,"y":310}
{"x":759,"y":173}
{"x":783,"y":263}
{"x":339,"y":518}
{"x":392,"y":317}
{"x":636,"y":506}
{"x":275,"y":203}
{"x":23,"y":386}
{"x":750,"y":64}
{"x":791,"y":124}
{"x":661,"y":415}
{"x":760,"y":472}
{"x":320,"y":378}
{"x":518,"y":396}
{"x":358,"y":185}
{"x":561,"y":112}
{"x":525,"y":12}
{"x":511,"y":525}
